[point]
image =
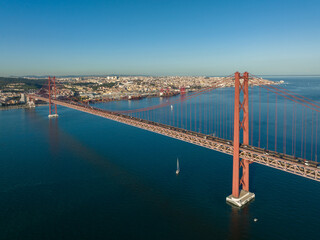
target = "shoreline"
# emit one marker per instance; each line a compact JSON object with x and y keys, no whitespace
{"x":152,"y":95}
{"x":19,"y":107}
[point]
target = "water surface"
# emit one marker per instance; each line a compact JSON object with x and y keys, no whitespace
{"x":85,"y":177}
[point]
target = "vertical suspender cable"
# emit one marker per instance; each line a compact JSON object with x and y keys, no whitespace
{"x":220,"y":114}
{"x":186,"y":112}
{"x":275,"y":126}
{"x":305,"y":137}
{"x":267,"y":119}
{"x":231,"y":117}
{"x":215,"y":114}
{"x":316,"y":146}
{"x":223,"y":109}
{"x":293,"y":114}
{"x":205,"y":122}
{"x":169,"y":116}
{"x":285,"y":126}
{"x":200,"y":113}
{"x":180,"y":115}
{"x":211,"y":113}
{"x":251,"y":115}
{"x":195,"y":116}
{"x":259,"y":115}
{"x":312,"y":136}
{"x":190,"y":115}
{"x":225,"y":114}
{"x":302,"y":133}
{"x":295,"y":131}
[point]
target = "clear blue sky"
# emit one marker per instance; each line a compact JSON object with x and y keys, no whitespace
{"x":161,"y":37}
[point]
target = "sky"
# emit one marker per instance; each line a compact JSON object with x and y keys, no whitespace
{"x":85,"y":37}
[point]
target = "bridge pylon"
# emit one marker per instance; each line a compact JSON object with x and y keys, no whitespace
{"x":240,"y":184}
{"x":52,"y":88}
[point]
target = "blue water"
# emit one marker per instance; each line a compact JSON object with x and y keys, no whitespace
{"x":85,"y":177}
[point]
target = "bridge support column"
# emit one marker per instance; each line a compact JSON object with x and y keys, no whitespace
{"x":52,"y":84}
{"x":240,"y":198}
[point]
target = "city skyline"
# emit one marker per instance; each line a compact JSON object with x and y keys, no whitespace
{"x":159,"y":38}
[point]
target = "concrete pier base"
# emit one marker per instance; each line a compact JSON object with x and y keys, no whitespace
{"x":53,"y":116}
{"x":244,"y":198}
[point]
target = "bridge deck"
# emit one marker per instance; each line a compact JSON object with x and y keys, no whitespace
{"x":279,"y":161}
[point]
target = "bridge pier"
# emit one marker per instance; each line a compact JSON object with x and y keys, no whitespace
{"x":53,"y":115}
{"x":241,"y":198}
{"x":244,"y":198}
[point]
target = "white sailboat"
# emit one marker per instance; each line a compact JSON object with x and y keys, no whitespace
{"x":171,"y":107}
{"x":178,"y":167}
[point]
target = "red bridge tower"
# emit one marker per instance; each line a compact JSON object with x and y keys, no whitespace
{"x":240,"y":198}
{"x":52,"y":87}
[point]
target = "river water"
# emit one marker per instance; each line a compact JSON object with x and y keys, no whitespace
{"x":85,"y":177}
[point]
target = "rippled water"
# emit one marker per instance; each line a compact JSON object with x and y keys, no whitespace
{"x":85,"y":177}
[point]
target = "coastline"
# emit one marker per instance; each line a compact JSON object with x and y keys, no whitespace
{"x":19,"y":106}
{"x":258,"y":82}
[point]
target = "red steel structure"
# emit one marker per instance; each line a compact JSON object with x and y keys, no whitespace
{"x":241,"y":85}
{"x":255,"y":155}
{"x":52,"y":86}
{"x":211,"y":127}
{"x":182,"y":90}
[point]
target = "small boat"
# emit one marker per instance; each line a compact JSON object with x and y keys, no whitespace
{"x":178,"y":167}
{"x":171,"y":107}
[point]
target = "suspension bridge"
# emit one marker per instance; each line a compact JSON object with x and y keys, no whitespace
{"x":255,"y":123}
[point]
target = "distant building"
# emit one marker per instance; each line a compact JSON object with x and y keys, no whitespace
{"x":23,"y":98}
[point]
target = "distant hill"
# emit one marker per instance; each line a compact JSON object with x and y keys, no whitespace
{"x":30,"y":83}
